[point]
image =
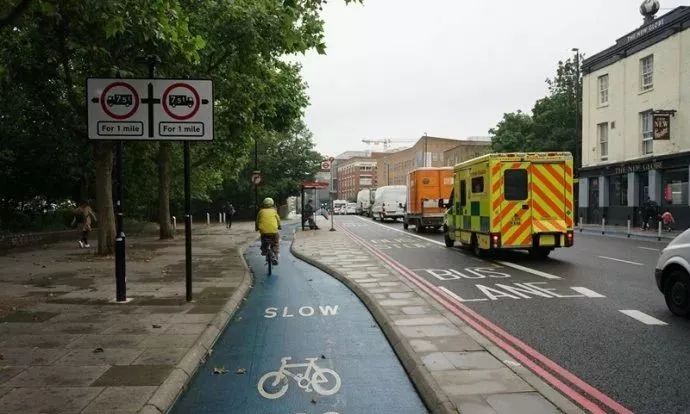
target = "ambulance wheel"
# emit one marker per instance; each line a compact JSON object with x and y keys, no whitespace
{"x":449,"y":242}
{"x":405,"y":225}
{"x":539,"y":253}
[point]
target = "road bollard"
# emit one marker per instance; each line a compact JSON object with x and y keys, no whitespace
{"x":220,"y":218}
{"x":174,"y":223}
{"x":603,"y":225}
{"x":224,"y":218}
{"x":658,"y":234}
{"x":208,"y":219}
{"x":580,"y":224}
{"x":628,"y":228}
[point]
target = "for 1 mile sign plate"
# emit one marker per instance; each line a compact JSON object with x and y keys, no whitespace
{"x":150,"y":109}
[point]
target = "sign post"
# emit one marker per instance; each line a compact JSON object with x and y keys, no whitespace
{"x":150,"y":110}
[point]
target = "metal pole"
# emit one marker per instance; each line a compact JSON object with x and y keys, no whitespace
{"x":578,"y":126}
{"x":302,"y":210}
{"x":658,"y":235}
{"x":603,"y":225}
{"x":580,"y":224}
{"x":188,"y":223}
{"x":174,"y":223}
{"x":120,"y":244}
{"x":628,"y":228}
{"x":256,"y":168}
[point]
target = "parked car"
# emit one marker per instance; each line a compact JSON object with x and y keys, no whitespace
{"x":673,"y":274}
{"x":351,"y":208}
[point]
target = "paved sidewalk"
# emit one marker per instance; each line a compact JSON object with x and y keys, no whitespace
{"x":66,"y":347}
{"x":454,"y":368}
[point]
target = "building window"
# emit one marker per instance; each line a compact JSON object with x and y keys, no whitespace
{"x":647,"y":132}
{"x":675,"y":187}
{"x":618,"y":190}
{"x":647,"y":73}
{"x":477,"y":185}
{"x":603,"y":135}
{"x":603,"y":89}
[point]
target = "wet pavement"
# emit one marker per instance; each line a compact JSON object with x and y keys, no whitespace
{"x":301,"y":343}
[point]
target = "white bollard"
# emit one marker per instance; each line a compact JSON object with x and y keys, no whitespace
{"x":658,"y":235}
{"x":603,"y":225}
{"x":224,"y":218}
{"x":628,"y":228}
{"x":174,"y":223}
{"x":220,"y":218}
{"x":580,"y":224}
{"x":208,"y":219}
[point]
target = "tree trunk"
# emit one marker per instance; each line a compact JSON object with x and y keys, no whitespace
{"x":164,"y":173}
{"x":103,"y":154}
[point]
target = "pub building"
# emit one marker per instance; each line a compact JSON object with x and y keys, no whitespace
{"x":636,"y":123}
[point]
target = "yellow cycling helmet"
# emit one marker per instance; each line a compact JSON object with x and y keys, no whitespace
{"x":268,"y":202}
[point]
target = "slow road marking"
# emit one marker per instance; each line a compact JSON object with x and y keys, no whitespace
{"x":643,"y":317}
{"x":621,"y":260}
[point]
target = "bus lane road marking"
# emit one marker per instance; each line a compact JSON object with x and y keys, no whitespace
{"x":509,"y":264}
{"x":643,"y":317}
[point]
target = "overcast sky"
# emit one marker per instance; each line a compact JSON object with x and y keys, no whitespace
{"x":451,"y":68}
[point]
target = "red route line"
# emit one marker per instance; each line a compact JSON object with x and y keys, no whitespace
{"x":467,"y":314}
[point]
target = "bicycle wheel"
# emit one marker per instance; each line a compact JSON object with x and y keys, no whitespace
{"x":269,"y":260}
{"x":325,"y":381}
{"x":273,"y":385}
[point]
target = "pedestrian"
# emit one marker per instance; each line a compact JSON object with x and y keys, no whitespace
{"x":667,"y":218}
{"x":229,"y":212}
{"x":83,"y":218}
{"x":308,"y":215}
{"x":268,"y":224}
{"x":651,"y":212}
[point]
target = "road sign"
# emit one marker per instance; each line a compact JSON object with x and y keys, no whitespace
{"x":325,"y":165}
{"x":150,"y":109}
{"x":256,"y":177}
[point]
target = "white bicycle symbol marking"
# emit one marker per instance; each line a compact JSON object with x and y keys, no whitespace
{"x":323,"y":381}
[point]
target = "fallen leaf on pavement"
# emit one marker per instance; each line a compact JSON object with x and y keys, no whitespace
{"x":313,"y":401}
{"x":219,"y":371}
{"x":98,"y":350}
{"x":323,"y":356}
{"x":156,"y":326}
{"x":241,"y":371}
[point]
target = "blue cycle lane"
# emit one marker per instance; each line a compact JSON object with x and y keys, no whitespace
{"x":302,"y":343}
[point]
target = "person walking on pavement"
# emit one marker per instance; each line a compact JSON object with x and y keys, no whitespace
{"x":651,"y":211}
{"x":229,"y":212}
{"x":268,"y":224}
{"x":309,"y":215}
{"x":83,"y":217}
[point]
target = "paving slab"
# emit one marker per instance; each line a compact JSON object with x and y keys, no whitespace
{"x":60,"y":376}
{"x":54,"y":400}
{"x":119,"y":400}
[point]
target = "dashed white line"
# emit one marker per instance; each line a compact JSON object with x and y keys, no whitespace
{"x":587,"y":292}
{"x":643,"y":317}
{"x":648,"y":248}
{"x":621,"y":260}
{"x":513,"y":265}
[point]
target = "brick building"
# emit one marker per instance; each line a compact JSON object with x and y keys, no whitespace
{"x":355,"y":174}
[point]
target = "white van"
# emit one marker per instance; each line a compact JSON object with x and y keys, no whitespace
{"x":387,"y":202}
{"x":339,"y":206}
{"x":363,"y":201}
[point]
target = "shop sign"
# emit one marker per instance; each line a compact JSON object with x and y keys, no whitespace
{"x":648,"y":166}
{"x":662,"y":126}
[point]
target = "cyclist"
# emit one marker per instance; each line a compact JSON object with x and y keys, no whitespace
{"x":268,"y":224}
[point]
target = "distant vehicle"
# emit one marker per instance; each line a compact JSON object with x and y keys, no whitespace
{"x":119,"y":99}
{"x":363,"y":201}
{"x":428,"y":191}
{"x":339,"y":206}
{"x":351,"y":208}
{"x":512,"y":201}
{"x":180,"y":100}
{"x":672,"y":274}
{"x":388,"y":201}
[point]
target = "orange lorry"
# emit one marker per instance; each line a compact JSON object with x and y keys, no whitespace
{"x":428,"y":190}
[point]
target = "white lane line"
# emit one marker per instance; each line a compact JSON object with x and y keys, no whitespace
{"x":648,"y":248}
{"x":620,"y":260}
{"x":513,"y":265}
{"x":458,"y":298}
{"x":643,"y":317}
{"x":587,"y":292}
{"x":528,"y":270}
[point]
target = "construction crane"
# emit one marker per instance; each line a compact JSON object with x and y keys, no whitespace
{"x":386,"y":141}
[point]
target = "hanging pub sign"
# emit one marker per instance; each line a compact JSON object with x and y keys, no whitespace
{"x":662,"y":125}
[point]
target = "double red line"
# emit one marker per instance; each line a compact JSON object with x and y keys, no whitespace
{"x":561,"y":379}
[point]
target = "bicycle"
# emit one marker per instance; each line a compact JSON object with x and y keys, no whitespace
{"x":270,"y":254}
{"x":323,"y":381}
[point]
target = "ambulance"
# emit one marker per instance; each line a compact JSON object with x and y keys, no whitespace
{"x":512,"y":201}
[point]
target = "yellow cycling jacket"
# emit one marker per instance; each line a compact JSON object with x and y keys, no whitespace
{"x":267,"y":221}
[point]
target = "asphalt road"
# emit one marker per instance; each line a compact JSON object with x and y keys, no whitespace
{"x":567,"y":307}
{"x":301,"y":313}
